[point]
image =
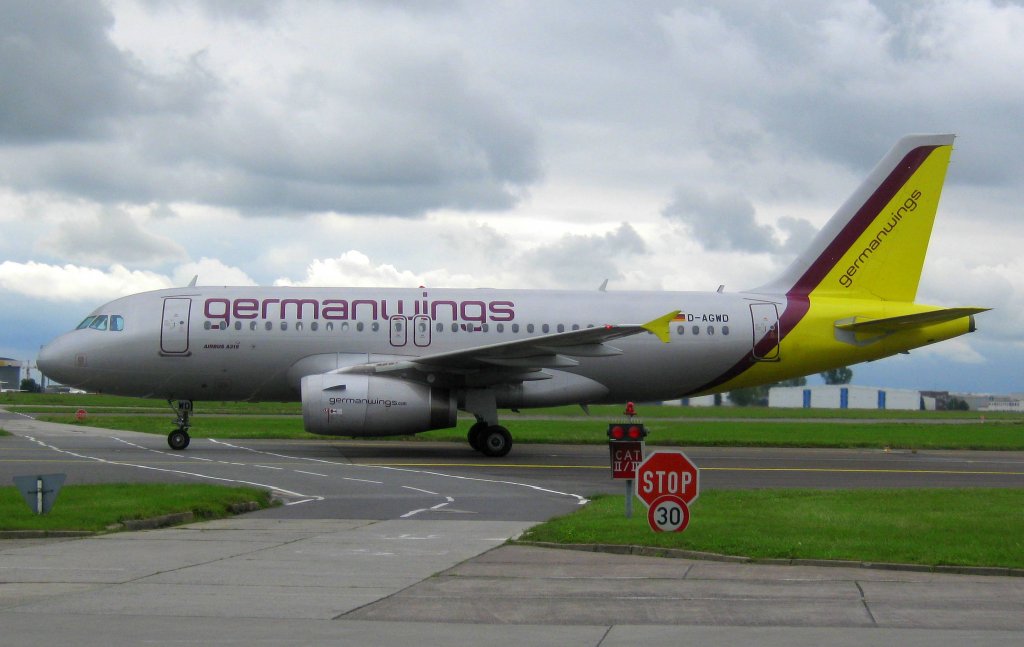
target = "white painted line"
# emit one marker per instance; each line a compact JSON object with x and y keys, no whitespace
{"x":348,"y":478}
{"x":414,"y":512}
{"x":416,"y":489}
{"x":319,"y":498}
{"x":268,"y":467}
{"x":273,"y":488}
{"x":310,"y":473}
{"x":580,"y":500}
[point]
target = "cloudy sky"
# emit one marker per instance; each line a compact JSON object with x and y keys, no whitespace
{"x":661,"y":145}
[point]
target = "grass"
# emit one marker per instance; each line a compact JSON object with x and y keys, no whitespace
{"x":95,"y":507}
{"x":4,"y":433}
{"x":963,"y":527}
{"x":28,"y":402}
{"x":1008,"y":435}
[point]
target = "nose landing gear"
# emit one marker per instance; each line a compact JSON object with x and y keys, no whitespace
{"x":179,"y":438}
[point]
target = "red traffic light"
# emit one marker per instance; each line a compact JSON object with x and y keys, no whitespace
{"x":626,"y":432}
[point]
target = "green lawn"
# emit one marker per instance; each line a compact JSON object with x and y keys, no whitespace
{"x":968,"y":527}
{"x":1008,"y":435}
{"x":95,"y":507}
{"x":28,"y":402}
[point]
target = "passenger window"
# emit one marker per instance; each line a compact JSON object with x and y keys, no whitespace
{"x":679,"y":330}
{"x":501,"y":327}
{"x":545,"y":328}
{"x":696,"y":330}
{"x":344,"y":326}
{"x":711,"y":330}
{"x":455,"y":327}
{"x":238,"y":325}
{"x":85,"y":322}
{"x":439,"y":327}
{"x":359,"y":326}
{"x":725,"y":330}
{"x":298,"y":326}
{"x":284,"y":325}
{"x":99,"y":323}
{"x":375,"y":326}
{"x":330,"y":326}
{"x":561,"y":327}
{"x":207,"y":325}
{"x":485,"y":327}
{"x":252,"y":325}
{"x":515,"y":327}
{"x":575,"y":326}
{"x":268,"y":326}
{"x":529,"y":327}
{"x":116,"y":323}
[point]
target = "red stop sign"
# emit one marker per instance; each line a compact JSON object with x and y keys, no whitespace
{"x":667,"y":473}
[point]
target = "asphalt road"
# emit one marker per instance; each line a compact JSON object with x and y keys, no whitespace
{"x":353,"y":479}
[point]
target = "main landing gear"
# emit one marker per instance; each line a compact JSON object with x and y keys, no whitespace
{"x":486,"y":436}
{"x":179,"y":438}
{"x":490,"y":440}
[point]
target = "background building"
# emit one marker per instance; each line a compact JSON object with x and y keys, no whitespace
{"x":10,"y":374}
{"x":844,"y":396}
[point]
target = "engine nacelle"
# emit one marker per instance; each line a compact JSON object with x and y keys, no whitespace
{"x":341,"y":404}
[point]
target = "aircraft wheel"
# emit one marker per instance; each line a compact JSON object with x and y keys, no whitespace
{"x":178,"y":439}
{"x":475,"y":432}
{"x":495,"y":441}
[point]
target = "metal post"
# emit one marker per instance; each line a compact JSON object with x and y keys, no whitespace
{"x":39,"y":495}
{"x":629,"y":498}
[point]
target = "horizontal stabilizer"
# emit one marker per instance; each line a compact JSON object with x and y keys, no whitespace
{"x":906,"y":322}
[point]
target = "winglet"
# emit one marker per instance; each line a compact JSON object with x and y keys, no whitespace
{"x":660,"y":325}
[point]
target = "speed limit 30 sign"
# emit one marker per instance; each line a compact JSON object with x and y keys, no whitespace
{"x":667,"y":483}
{"x":668,"y":513}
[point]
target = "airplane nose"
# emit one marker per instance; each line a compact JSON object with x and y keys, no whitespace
{"x":56,"y":360}
{"x":45,"y":361}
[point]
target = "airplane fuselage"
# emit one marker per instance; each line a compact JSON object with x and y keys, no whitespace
{"x":249,"y":343}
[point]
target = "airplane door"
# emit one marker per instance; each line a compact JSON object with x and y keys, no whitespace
{"x":765,"y":318}
{"x":399,"y":330}
{"x":174,"y":329}
{"x":421,"y":330}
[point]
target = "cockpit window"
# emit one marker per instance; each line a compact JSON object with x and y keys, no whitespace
{"x":116,"y":323}
{"x":85,"y":322}
{"x":99,"y":323}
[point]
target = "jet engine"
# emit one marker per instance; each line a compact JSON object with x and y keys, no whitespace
{"x":342,"y":404}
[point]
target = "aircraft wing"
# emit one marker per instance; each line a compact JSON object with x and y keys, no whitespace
{"x":906,"y":322}
{"x":523,"y":355}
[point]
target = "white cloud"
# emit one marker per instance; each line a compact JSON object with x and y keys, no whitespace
{"x":210,"y":271}
{"x":110,"y":236}
{"x":954,"y":350}
{"x":71,"y":283}
{"x":353,"y":268}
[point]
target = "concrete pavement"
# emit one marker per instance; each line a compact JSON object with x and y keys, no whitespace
{"x":399,"y":582}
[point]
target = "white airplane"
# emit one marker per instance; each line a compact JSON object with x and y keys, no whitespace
{"x":378,"y":361}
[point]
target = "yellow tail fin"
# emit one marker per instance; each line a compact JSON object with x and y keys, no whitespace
{"x":874,"y":246}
